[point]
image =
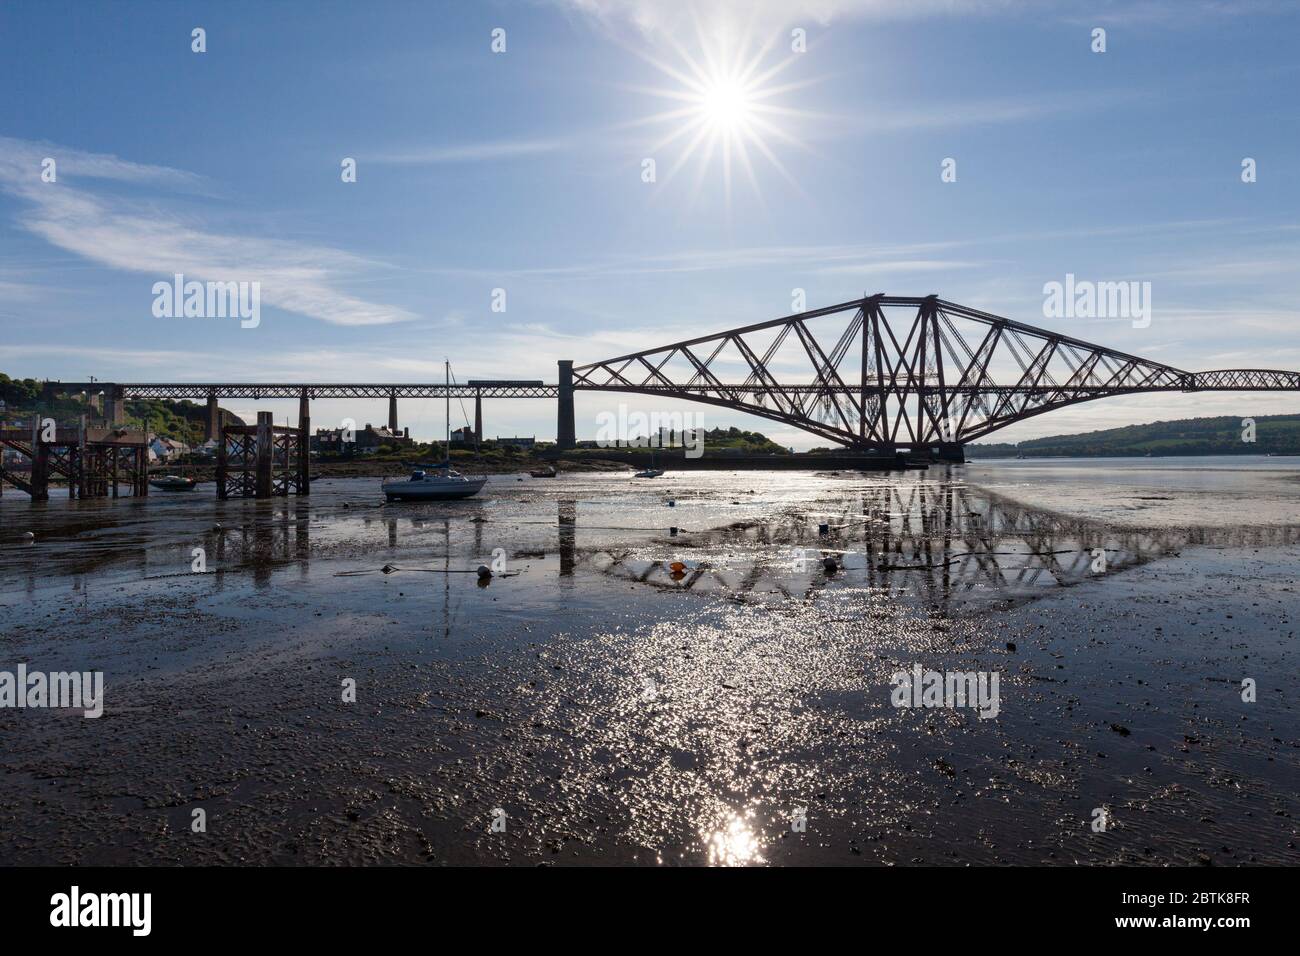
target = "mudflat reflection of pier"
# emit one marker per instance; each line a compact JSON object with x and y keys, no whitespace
{"x":930,"y":541}
{"x":924,"y":541}
{"x":258,"y":540}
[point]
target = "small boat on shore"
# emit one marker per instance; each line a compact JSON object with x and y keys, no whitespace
{"x":652,"y":471}
{"x":172,"y":483}
{"x":544,"y":473}
{"x":447,"y":485}
{"x":436,"y":482}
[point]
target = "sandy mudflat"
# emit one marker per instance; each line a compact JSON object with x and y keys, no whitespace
{"x":618,"y":713}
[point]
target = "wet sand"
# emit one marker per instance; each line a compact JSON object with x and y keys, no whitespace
{"x":620,"y":713}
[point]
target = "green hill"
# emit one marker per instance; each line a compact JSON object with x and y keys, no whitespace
{"x":1274,"y":434}
{"x":716,"y":441}
{"x":182,"y":421}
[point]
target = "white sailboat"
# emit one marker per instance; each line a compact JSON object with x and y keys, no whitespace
{"x":435,"y":482}
{"x":652,"y":471}
{"x":172,"y":483}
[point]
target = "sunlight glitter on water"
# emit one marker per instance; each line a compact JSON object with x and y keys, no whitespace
{"x":735,"y":843}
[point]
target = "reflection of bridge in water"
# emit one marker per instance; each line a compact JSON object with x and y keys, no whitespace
{"x":924,"y":541}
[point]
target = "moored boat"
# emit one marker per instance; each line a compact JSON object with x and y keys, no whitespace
{"x":652,"y":471}
{"x":446,"y":484}
{"x":172,"y":483}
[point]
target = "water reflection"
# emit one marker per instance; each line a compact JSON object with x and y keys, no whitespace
{"x":278,"y":535}
{"x":735,"y":841}
{"x":930,"y":539}
{"x":933,"y":542}
{"x":568,"y":519}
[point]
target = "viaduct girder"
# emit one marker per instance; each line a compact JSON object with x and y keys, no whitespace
{"x":271,"y":390}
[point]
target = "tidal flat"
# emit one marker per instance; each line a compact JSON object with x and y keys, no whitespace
{"x":590,"y":703}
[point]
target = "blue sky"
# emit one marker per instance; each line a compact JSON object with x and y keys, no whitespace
{"x":522,"y":170}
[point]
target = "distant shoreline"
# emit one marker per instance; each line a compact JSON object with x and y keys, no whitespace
{"x":1130,"y":456}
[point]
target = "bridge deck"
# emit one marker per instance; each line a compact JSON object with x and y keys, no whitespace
{"x":313,"y":390}
{"x":1244,"y":380}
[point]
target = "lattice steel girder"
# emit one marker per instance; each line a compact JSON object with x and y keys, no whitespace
{"x":1244,"y":380}
{"x":927,"y":371}
{"x":271,"y":390}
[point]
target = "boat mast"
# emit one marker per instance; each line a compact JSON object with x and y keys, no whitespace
{"x":446,"y":380}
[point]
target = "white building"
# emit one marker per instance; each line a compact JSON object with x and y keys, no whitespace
{"x":166,"y":448}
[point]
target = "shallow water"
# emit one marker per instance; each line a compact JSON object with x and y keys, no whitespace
{"x":618,"y":710}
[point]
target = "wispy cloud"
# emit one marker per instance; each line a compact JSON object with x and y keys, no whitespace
{"x":821,"y":258}
{"x":73,"y":215}
{"x":1175,"y":13}
{"x":673,"y":16}
{"x":830,"y":259}
{"x":667,"y":16}
{"x":21,"y":160}
{"x":12,"y":290}
{"x":468,"y":152}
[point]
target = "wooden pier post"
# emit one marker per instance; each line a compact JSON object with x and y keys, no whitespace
{"x":82,"y":479}
{"x":142,"y":469}
{"x":221,"y":466}
{"x":265,"y":453}
{"x":40,"y":463}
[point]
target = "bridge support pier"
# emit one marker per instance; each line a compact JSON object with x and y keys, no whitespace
{"x":213,"y":424}
{"x":114,"y":405}
{"x":566,"y":435}
{"x":478,"y":420}
{"x":392,"y":413}
{"x":304,"y":447}
{"x":213,"y":429}
{"x":952,"y":452}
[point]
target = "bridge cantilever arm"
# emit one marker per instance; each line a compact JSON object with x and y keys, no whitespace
{"x":1243,"y":379}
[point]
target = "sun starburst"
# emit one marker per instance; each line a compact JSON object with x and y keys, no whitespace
{"x":729,"y":110}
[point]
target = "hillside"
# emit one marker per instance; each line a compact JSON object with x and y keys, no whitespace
{"x":714,"y":441}
{"x":183,"y":421}
{"x":1274,"y":434}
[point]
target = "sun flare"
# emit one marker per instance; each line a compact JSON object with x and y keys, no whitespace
{"x":726,"y":108}
{"x":726,"y":105}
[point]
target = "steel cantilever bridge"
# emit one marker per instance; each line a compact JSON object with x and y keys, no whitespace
{"x":904,"y":372}
{"x":877,"y":374}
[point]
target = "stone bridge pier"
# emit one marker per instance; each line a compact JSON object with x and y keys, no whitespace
{"x":566,"y":435}
{"x":212,"y":429}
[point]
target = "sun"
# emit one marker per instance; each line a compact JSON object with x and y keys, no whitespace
{"x":727,"y":111}
{"x":726,"y":106}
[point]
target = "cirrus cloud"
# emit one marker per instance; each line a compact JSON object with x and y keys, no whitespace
{"x":79,"y":214}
